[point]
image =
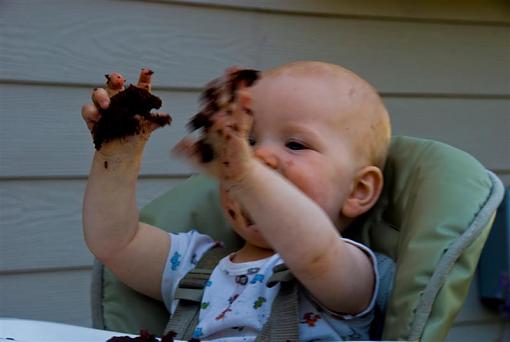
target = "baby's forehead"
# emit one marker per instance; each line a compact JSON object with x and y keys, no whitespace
{"x":314,"y":70}
{"x":320,"y":84}
{"x":343,"y":84}
{"x":356,"y":109}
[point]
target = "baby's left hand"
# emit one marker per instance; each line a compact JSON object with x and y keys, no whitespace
{"x":223,"y":150}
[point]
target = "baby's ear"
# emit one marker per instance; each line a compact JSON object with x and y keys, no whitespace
{"x":365,"y":192}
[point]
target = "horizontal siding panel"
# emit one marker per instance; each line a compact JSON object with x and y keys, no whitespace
{"x":186,"y":45}
{"x":497,"y":11}
{"x":54,"y":296}
{"x":397,"y":57}
{"x":42,"y":133}
{"x":41,"y":220}
{"x":480,"y":127}
{"x":189,"y":45}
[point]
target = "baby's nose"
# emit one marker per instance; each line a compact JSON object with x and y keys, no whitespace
{"x":267,"y":157}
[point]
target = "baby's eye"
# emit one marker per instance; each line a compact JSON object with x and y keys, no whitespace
{"x":251,"y":140}
{"x":295,"y":145}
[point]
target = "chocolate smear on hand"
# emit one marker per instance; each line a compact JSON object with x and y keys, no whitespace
{"x":119,"y":119}
{"x":211,"y":101}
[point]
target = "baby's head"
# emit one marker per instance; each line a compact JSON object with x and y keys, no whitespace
{"x":327,"y":131}
{"x":328,"y":93}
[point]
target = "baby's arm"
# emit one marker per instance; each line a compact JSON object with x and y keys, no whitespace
{"x":339,"y":275}
{"x":134,"y":251}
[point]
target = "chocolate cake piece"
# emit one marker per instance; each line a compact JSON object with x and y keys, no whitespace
{"x":119,"y":121}
{"x":145,"y":336}
{"x":216,"y":95}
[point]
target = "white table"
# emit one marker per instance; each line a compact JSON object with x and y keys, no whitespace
{"x":24,"y":330}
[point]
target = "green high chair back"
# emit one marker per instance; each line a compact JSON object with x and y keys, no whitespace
{"x":433,"y":218}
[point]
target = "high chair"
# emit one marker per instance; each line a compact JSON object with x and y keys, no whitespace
{"x":433,"y":218}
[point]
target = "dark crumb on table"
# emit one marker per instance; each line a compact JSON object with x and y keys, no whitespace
{"x":210,"y":105}
{"x":119,"y":121}
{"x":169,"y":337}
{"x":145,"y":336}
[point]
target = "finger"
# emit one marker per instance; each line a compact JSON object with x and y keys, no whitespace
{"x":229,"y":85}
{"x":101,"y":98}
{"x":216,"y":94}
{"x":244,"y":98}
{"x":187,"y":149}
{"x":243,"y":114}
{"x":144,"y":80}
{"x":90,"y":114}
{"x":238,"y":78}
{"x":224,"y":132}
{"x":231,"y":69}
{"x":158,"y":120}
{"x":114,"y":83}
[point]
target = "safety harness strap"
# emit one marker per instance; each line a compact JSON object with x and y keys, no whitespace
{"x":189,"y":292}
{"x":283,"y":323}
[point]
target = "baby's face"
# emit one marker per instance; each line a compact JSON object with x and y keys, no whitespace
{"x":302,"y":131}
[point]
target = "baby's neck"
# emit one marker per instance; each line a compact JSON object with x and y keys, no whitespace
{"x":250,"y":252}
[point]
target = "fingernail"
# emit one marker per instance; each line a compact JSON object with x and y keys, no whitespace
{"x":104,"y":104}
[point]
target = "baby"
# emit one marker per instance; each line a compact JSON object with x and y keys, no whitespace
{"x":298,"y":157}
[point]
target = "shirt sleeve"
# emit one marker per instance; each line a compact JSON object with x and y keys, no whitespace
{"x":185,"y":251}
{"x":372,"y":303}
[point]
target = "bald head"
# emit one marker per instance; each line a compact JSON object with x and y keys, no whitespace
{"x":359,"y":111}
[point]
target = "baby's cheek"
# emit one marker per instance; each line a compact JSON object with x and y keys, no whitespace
{"x":289,"y":164}
{"x":315,"y":185}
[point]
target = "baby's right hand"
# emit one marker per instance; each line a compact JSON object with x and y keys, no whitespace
{"x":225,"y":121}
{"x":134,"y":143}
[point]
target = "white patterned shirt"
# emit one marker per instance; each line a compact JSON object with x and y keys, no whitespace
{"x":237,"y":303}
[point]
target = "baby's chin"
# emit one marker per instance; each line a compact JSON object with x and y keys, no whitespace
{"x":250,"y":231}
{"x":247,"y":224}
